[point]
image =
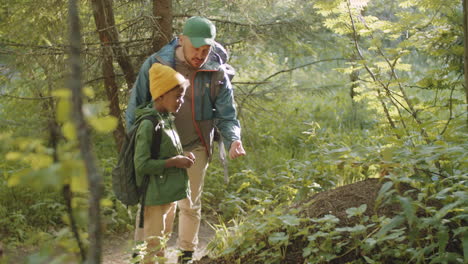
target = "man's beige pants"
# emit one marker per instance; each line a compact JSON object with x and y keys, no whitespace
{"x":158,"y":222}
{"x":190,"y":208}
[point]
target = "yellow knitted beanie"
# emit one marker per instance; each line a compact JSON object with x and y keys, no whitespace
{"x":163,"y":78}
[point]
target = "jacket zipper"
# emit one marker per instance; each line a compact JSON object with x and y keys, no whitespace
{"x":195,"y":124}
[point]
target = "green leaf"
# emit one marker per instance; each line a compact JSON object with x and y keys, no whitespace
{"x":62,"y":93}
{"x":106,"y":203}
{"x":89,"y":92}
{"x":290,"y":220}
{"x":408,"y":209}
{"x":369,"y":260}
{"x":278,"y":237}
{"x":317,"y":235}
{"x":38,"y":179}
{"x":394,"y":222}
{"x":79,"y":179}
{"x":103,"y":124}
{"x":357,"y":229}
{"x":447,"y":208}
{"x":442,"y":237}
{"x":69,"y":131}
{"x":13,"y":155}
{"x":356,"y":211}
{"x":465,"y":246}
{"x":371,"y":242}
{"x":383,"y":190}
{"x":243,"y":186}
{"x":403,"y":67}
{"x":306,"y":252}
{"x":387,"y":154}
{"x":38,"y":161}
{"x":63,"y":111}
{"x":407,"y":4}
{"x":327,"y":218}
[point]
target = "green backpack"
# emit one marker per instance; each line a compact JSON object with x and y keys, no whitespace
{"x":124,"y":181}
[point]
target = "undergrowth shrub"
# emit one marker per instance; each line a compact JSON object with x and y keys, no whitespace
{"x":25,"y":212}
{"x":429,"y":228}
{"x":424,"y":231}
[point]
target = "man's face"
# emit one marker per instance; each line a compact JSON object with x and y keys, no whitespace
{"x":173,"y":99}
{"x":194,"y":56}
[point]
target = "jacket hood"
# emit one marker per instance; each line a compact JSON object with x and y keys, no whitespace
{"x":146,"y":110}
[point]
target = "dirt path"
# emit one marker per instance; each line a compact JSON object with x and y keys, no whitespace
{"x":117,"y":250}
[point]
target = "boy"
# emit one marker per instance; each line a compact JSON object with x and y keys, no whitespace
{"x":168,"y":180}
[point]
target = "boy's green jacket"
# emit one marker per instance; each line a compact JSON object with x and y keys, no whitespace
{"x":166,"y":184}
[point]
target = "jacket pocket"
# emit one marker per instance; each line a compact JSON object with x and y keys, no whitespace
{"x":204,"y":105}
{"x":172,"y":185}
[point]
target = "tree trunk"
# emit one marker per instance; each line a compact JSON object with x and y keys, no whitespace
{"x":162,"y":34}
{"x":465,"y":31}
{"x":83,"y":132}
{"x":112,"y":95}
{"x":105,"y":24}
{"x":353,"y":77}
{"x":48,"y":106}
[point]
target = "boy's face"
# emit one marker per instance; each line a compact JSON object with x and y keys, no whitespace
{"x":173,"y":100}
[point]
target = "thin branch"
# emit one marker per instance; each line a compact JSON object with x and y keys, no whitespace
{"x":11,"y":122}
{"x":249,"y":83}
{"x":63,"y":47}
{"x":293,"y":69}
{"x":101,"y":78}
{"x":83,"y":135}
{"x":418,"y":87}
{"x":250,"y":25}
{"x":67,"y":195}
{"x":285,"y":71}
{"x":358,"y":49}
{"x":411,"y":109}
{"x":451,"y":111}
{"x":238,"y":23}
{"x":25,"y":98}
{"x":465,"y":53}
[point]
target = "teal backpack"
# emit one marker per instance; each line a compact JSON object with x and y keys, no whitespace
{"x":124,"y":182}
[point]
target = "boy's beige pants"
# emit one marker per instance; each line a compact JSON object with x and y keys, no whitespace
{"x":158,"y":222}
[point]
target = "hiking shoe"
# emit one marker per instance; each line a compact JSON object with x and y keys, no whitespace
{"x":185,"y":258}
{"x":134,"y":256}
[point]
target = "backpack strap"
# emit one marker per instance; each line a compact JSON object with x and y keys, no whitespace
{"x":217,"y":80}
{"x":155,"y":149}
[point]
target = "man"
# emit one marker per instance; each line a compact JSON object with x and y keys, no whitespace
{"x":209,"y":103}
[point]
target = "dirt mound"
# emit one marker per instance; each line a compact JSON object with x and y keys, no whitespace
{"x":336,"y":202}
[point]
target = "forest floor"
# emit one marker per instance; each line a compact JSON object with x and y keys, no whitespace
{"x":335,"y":202}
{"x":117,"y":248}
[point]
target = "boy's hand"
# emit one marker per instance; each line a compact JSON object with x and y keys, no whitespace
{"x":236,"y":149}
{"x":180,"y":161}
{"x":189,"y":155}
